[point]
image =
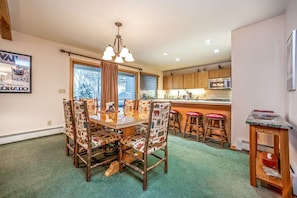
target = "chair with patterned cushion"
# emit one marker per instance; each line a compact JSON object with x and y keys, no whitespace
{"x":152,"y":143}
{"x":92,"y":104}
{"x":92,"y":148}
{"x":143,"y":106}
{"x":129,"y":104}
{"x":69,"y":127}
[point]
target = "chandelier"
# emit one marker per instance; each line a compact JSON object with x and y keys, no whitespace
{"x":124,"y":53}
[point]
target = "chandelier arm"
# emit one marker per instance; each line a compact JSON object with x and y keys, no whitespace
{"x":114,"y":42}
{"x":118,"y":42}
{"x":119,"y":39}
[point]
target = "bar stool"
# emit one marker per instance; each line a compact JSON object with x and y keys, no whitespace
{"x":215,"y":122}
{"x":195,"y":122}
{"x":174,"y":123}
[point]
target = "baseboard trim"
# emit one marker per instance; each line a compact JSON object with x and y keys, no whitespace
{"x":6,"y":139}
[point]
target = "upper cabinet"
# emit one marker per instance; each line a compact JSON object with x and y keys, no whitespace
{"x":220,"y":73}
{"x":194,"y":80}
{"x":225,"y":72}
{"x":167,"y":82}
{"x":178,"y":81}
{"x":190,"y":81}
{"x":202,"y":79}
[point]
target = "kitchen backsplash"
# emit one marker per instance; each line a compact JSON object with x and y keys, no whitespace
{"x":194,"y":94}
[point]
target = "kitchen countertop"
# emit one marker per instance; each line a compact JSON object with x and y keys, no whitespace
{"x":207,"y":102}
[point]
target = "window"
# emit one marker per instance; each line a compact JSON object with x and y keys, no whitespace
{"x":148,"y":86}
{"x":126,"y":86}
{"x":86,"y":82}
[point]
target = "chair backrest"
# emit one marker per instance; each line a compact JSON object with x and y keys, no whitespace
{"x":129,"y":104}
{"x":144,"y":105}
{"x":92,"y":104}
{"x":158,"y":123}
{"x":68,"y":115}
{"x":81,"y":117}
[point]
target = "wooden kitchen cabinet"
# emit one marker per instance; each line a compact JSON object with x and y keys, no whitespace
{"x":214,"y":73}
{"x":189,"y":81}
{"x":219,"y":73}
{"x":178,"y":81}
{"x":202,"y":79}
{"x":225,"y":72}
{"x":167,"y":82}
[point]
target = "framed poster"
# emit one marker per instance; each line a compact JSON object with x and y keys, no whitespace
{"x":291,"y":61}
{"x":15,"y":73}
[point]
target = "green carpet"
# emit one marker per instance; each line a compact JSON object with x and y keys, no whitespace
{"x":40,"y":168}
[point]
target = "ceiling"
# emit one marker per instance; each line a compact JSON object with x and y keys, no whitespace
{"x":150,"y":27}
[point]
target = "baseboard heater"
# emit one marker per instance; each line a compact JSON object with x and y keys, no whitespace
{"x":30,"y":135}
{"x":245,"y":145}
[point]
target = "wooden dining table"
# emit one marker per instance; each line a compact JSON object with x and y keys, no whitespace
{"x":120,"y":120}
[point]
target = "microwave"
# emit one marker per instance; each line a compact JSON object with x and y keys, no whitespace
{"x":219,"y":83}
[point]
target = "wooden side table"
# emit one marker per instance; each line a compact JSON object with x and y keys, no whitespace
{"x":279,"y":129}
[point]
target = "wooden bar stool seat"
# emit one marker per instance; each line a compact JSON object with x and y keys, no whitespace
{"x":215,"y":128}
{"x":194,"y":125}
{"x":174,"y":123}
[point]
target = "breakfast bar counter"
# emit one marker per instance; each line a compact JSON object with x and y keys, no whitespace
{"x":204,"y":107}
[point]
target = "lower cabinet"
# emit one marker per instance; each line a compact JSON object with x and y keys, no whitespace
{"x":183,"y":108}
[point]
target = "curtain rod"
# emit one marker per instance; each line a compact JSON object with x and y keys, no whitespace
{"x":69,"y":53}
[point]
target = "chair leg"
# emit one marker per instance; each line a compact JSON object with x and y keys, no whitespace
{"x":166,"y":159}
{"x":121,"y":157}
{"x":197,"y":126}
{"x":74,"y":146}
{"x":89,"y":152}
{"x":174,"y":129}
{"x":144,"y":185}
{"x":206,"y":130}
{"x":178,"y":123}
{"x":185,"y":130}
{"x":67,"y":143}
{"x":76,"y":149}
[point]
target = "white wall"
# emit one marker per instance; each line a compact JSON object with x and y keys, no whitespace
{"x":257,"y":73}
{"x":50,"y":72}
{"x":291,"y":97}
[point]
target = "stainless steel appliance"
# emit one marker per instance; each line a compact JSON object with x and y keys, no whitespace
{"x":219,"y":83}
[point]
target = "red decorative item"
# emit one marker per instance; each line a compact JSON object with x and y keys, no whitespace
{"x":269,"y":160}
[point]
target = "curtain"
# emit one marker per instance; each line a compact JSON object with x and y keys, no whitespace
{"x":109,"y":84}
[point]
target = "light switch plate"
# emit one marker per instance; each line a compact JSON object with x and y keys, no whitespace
{"x":62,"y":91}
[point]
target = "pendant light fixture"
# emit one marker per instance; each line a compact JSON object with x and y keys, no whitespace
{"x":121,"y":53}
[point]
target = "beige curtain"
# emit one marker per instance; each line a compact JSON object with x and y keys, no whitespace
{"x":109,"y":84}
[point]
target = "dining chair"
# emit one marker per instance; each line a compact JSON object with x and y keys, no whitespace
{"x":129,"y":104}
{"x":92,"y":106}
{"x":148,"y":143}
{"x":142,"y":107}
{"x":69,"y":127}
{"x":92,"y":148}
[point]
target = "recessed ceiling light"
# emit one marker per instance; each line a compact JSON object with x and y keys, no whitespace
{"x":216,"y":50}
{"x":165,"y":53}
{"x":177,"y":59}
{"x":208,"y":41}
